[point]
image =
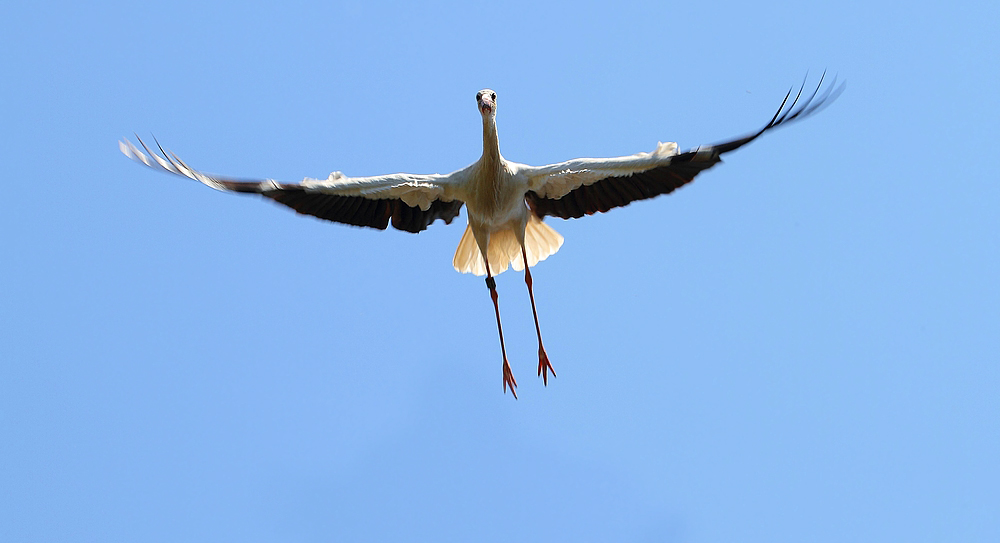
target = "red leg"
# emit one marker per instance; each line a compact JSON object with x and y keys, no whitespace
{"x":508,"y":376}
{"x":544,"y":367}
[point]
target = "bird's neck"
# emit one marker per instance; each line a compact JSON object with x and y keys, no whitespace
{"x":491,"y":144}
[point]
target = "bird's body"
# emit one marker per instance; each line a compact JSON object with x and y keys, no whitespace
{"x":506,"y":201}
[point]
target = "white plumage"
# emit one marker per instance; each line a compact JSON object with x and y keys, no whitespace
{"x":506,"y":201}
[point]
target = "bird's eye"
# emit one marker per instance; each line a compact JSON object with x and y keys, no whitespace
{"x":493,"y":96}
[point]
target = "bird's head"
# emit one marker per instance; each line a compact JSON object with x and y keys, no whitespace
{"x":487,"y":101}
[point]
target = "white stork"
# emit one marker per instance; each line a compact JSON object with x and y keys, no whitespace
{"x":506,"y":200}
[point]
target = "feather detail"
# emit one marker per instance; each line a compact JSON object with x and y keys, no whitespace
{"x":540,"y":242}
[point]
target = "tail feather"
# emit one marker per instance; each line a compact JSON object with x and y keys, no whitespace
{"x":467,"y":259}
{"x":540,"y":241}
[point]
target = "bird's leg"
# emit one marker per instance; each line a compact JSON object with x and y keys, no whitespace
{"x":508,"y":376}
{"x":544,"y":367}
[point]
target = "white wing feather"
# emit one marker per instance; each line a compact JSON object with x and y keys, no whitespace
{"x":557,"y":180}
{"x":413,"y":189}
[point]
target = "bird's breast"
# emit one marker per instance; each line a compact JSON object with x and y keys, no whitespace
{"x":495,"y":198}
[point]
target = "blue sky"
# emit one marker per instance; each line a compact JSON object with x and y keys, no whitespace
{"x":801,"y":345}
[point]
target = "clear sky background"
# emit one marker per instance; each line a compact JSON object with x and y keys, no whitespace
{"x":802,"y":345}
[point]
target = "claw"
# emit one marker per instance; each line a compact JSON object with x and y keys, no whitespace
{"x":544,"y":366}
{"x":508,"y":379}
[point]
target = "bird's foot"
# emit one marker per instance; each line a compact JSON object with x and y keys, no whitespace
{"x":508,"y":379}
{"x":544,"y":366}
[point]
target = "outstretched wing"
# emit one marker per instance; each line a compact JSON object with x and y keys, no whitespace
{"x":585,"y":186}
{"x":409,"y":202}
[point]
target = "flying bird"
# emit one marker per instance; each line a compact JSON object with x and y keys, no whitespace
{"x":506,"y":200}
